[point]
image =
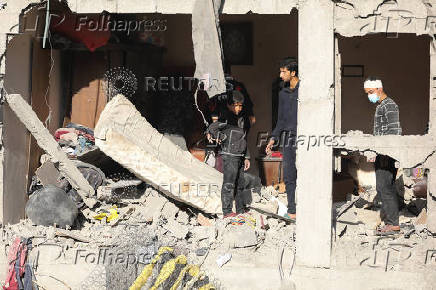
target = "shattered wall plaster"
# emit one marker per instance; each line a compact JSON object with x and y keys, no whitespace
{"x":410,"y":151}
{"x":361,"y":17}
{"x":185,"y":7}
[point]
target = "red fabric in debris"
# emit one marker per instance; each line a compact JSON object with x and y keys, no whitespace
{"x":89,"y":30}
{"x":59,"y":133}
{"x":11,"y":282}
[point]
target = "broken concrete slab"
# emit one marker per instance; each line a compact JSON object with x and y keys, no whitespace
{"x":206,"y":40}
{"x":358,"y":17}
{"x":371,"y":219}
{"x":153,"y":207}
{"x":46,"y":141}
{"x":114,"y":192}
{"x":240,"y":236}
{"x":176,"y":230}
{"x":47,"y":173}
{"x":395,"y":146}
{"x":170,"y":210}
{"x":202,"y":233}
{"x":183,"y":217}
{"x":422,"y":218}
{"x":124,"y":135}
{"x":204,"y":221}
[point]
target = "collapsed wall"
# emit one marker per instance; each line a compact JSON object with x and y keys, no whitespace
{"x":124,"y":135}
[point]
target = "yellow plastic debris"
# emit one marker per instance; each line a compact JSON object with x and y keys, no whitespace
{"x":167,"y":269}
{"x":193,"y":270}
{"x":111,"y":215}
{"x":145,"y":274}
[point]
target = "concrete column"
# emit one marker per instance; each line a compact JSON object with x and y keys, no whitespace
{"x":431,"y":202}
{"x":431,"y":191}
{"x":432,"y":101}
{"x":315,"y":118}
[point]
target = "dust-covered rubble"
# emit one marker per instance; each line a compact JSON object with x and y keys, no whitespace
{"x":149,"y":221}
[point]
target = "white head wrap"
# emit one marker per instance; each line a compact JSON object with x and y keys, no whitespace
{"x":377,"y":84}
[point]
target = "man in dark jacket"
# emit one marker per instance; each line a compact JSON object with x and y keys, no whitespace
{"x":230,"y":133}
{"x":286,"y":128}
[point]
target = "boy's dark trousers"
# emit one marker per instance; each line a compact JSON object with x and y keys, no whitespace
{"x":385,"y":174}
{"x":233,"y":184}
{"x":290,"y":169}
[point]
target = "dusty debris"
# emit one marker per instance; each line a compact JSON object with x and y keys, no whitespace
{"x":153,"y":207}
{"x":170,"y":210}
{"x":155,"y":159}
{"x":223,"y":259}
{"x":46,"y":141}
{"x":114,"y":192}
{"x":176,"y":230}
{"x":346,"y":206}
{"x":202,"y":233}
{"x":203,"y":221}
{"x":240,"y":236}
{"x":69,"y":234}
{"x":369,"y":218}
{"x":47,"y":173}
{"x":122,"y":216}
{"x":422,"y":218}
{"x":183,"y":217}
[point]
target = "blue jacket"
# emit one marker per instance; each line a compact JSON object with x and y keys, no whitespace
{"x":288,"y":110}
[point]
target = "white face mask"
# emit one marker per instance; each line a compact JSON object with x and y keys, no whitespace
{"x":373,"y":98}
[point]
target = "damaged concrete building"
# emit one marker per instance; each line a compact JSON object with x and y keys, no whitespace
{"x":62,"y":73}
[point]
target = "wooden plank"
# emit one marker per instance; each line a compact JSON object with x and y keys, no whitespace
{"x":15,"y":136}
{"x":39,"y":99}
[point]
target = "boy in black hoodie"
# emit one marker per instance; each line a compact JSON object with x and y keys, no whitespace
{"x":229,"y":131}
{"x":286,"y":127}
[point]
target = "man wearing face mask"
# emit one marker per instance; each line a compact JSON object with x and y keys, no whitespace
{"x":386,"y":122}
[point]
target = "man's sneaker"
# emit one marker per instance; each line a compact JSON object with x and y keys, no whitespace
{"x":290,"y":216}
{"x":244,"y":211}
{"x":387,"y":230}
{"x":229,"y":215}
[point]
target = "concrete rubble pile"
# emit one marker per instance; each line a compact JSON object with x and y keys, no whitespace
{"x":141,"y":226}
{"x":127,"y":212}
